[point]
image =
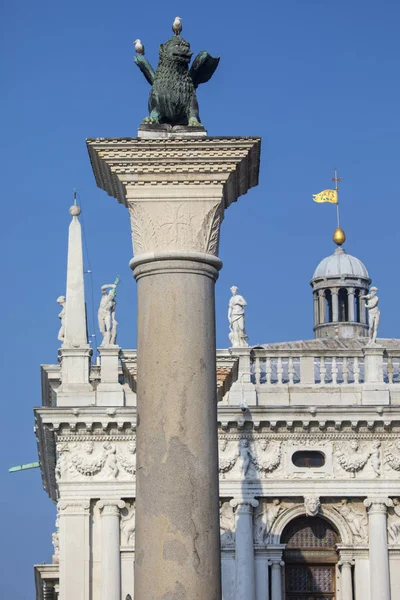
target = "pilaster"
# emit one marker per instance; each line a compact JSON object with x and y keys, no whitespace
{"x":110,"y":548}
{"x":74,"y":518}
{"x":378,"y":547}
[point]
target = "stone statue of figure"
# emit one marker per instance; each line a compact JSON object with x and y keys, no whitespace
{"x":237,"y":335}
{"x":374,"y":313}
{"x":61,"y":316}
{"x":106,"y":314}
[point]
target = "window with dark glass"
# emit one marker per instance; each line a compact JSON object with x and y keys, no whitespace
{"x":308,"y":458}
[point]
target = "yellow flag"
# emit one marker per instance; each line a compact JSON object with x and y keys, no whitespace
{"x":326,"y":196}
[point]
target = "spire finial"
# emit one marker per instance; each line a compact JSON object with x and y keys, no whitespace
{"x":75,"y":210}
{"x":339,"y":236}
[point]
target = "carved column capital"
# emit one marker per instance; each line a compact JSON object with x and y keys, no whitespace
{"x":73,"y":507}
{"x":277,"y":563}
{"x":334,"y":291}
{"x":110,"y":507}
{"x":244,"y":505}
{"x":377,"y":505}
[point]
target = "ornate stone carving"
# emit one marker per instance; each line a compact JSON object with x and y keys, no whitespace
{"x":227,"y":524}
{"x":128,"y":524}
{"x":228,"y":460}
{"x":374,"y":314}
{"x":394,"y":523}
{"x":61,"y":316}
{"x":312,"y":504}
{"x":56,"y":542}
{"x":106,"y":314}
{"x":245,"y":457}
{"x":351,"y":459}
{"x":237,"y":335}
{"x":264,"y":517}
{"x":111,"y":466}
{"x":357,"y":520}
{"x":128,"y":461}
{"x":392,"y":457}
{"x":376,"y":457}
{"x":87,"y":463}
{"x":164,"y":226}
{"x":267,"y":461}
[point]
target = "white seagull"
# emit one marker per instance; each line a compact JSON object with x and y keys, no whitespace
{"x":177,"y":26}
{"x":139,"y":46}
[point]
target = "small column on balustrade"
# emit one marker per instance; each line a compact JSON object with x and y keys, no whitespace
{"x":378,"y":547}
{"x":244,"y":548}
{"x":276,"y":579}
{"x":335,"y":305}
{"x":110,"y":548}
{"x":346,"y":578}
{"x":350,"y":299}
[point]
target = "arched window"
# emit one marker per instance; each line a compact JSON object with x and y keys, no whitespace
{"x":328,"y":306}
{"x":343,"y":305}
{"x":311,"y":459}
{"x":357,"y":314}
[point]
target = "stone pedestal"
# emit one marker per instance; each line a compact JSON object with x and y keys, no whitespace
{"x":110,"y":549}
{"x":378,"y":547}
{"x":374,"y":389}
{"x":176,"y":191}
{"x":244,"y":548}
{"x":243,"y":391}
{"x":109,"y":391}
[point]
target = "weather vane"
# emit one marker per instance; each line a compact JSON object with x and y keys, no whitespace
{"x":173,"y":100}
{"x":332,"y":196}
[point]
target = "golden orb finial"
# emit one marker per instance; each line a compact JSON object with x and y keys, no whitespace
{"x":339,"y":236}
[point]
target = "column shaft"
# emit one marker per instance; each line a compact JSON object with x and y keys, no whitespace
{"x":244,"y":550}
{"x":74,"y":550}
{"x":276,"y":579}
{"x":378,"y":549}
{"x":177,"y":502}
{"x":346,"y":581}
{"x":335,"y":306}
{"x":110,"y":549}
{"x":322,"y":307}
{"x":350,"y":298}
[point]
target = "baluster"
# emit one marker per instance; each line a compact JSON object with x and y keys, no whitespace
{"x":257,"y":370}
{"x":334,"y":370}
{"x":322,"y":370}
{"x":390,"y":369}
{"x":356,"y":368}
{"x":279,"y":370}
{"x":345,"y":370}
{"x":268,"y":370}
{"x":291,"y":370}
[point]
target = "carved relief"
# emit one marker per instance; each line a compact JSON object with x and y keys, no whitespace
{"x":226,"y":524}
{"x":128,"y":460}
{"x":228,"y":460}
{"x":127,"y":523}
{"x":264,"y":517}
{"x":312,"y":504}
{"x":245,"y":457}
{"x":87,"y":463}
{"x":159,"y":226}
{"x":392,"y":455}
{"x":55,"y":538}
{"x":267,"y":461}
{"x":394,"y":523}
{"x":376,"y":457}
{"x":351,"y":459}
{"x":357,"y":520}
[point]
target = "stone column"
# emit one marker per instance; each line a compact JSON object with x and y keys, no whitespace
{"x":346,"y":582}
{"x":244,"y":548}
{"x":350,"y":298}
{"x":176,"y":190}
{"x":110,"y":549}
{"x":322,"y":306}
{"x":276,"y":579}
{"x":378,"y":547}
{"x":316,"y":309}
{"x":74,"y":549}
{"x":335,"y":305}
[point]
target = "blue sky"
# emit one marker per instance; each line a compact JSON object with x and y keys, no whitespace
{"x":319,"y":81}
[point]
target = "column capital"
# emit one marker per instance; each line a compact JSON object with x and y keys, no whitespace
{"x":346,"y":563}
{"x":244,"y":504}
{"x":376,"y":505}
{"x":277,"y":563}
{"x":334,"y":291}
{"x":73,"y":507}
{"x":110,"y":506}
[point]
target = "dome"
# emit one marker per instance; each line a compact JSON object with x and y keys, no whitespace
{"x":341,"y":264}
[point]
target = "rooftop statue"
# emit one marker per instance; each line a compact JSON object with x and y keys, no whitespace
{"x":106,"y":313}
{"x":237,"y":335}
{"x":374,"y":314}
{"x":173,"y":94}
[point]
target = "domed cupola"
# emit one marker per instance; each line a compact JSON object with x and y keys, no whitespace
{"x":337,"y":283}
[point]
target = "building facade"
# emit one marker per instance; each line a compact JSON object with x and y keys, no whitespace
{"x":309,"y":454}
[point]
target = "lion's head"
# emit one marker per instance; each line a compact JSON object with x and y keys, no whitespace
{"x":176,"y":49}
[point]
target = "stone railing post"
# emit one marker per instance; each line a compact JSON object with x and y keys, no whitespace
{"x":378,"y":547}
{"x":176,"y":191}
{"x":110,"y":548}
{"x":74,"y":518}
{"x":244,"y":548}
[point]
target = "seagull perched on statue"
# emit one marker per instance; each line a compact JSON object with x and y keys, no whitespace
{"x":177,"y":26}
{"x":139,"y":46}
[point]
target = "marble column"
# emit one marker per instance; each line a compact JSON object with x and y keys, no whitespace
{"x":350,"y":299}
{"x":244,"y":548}
{"x":322,"y":306}
{"x":176,"y":190}
{"x":346,"y":582}
{"x":378,"y":547}
{"x":276,"y":579}
{"x":110,"y":548}
{"x":335,"y":305}
{"x":316,"y":309}
{"x":74,"y":518}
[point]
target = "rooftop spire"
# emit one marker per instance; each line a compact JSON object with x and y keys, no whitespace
{"x":339,"y":236}
{"x":75,"y":312}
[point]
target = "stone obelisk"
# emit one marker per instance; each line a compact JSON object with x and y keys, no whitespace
{"x":176,"y":191}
